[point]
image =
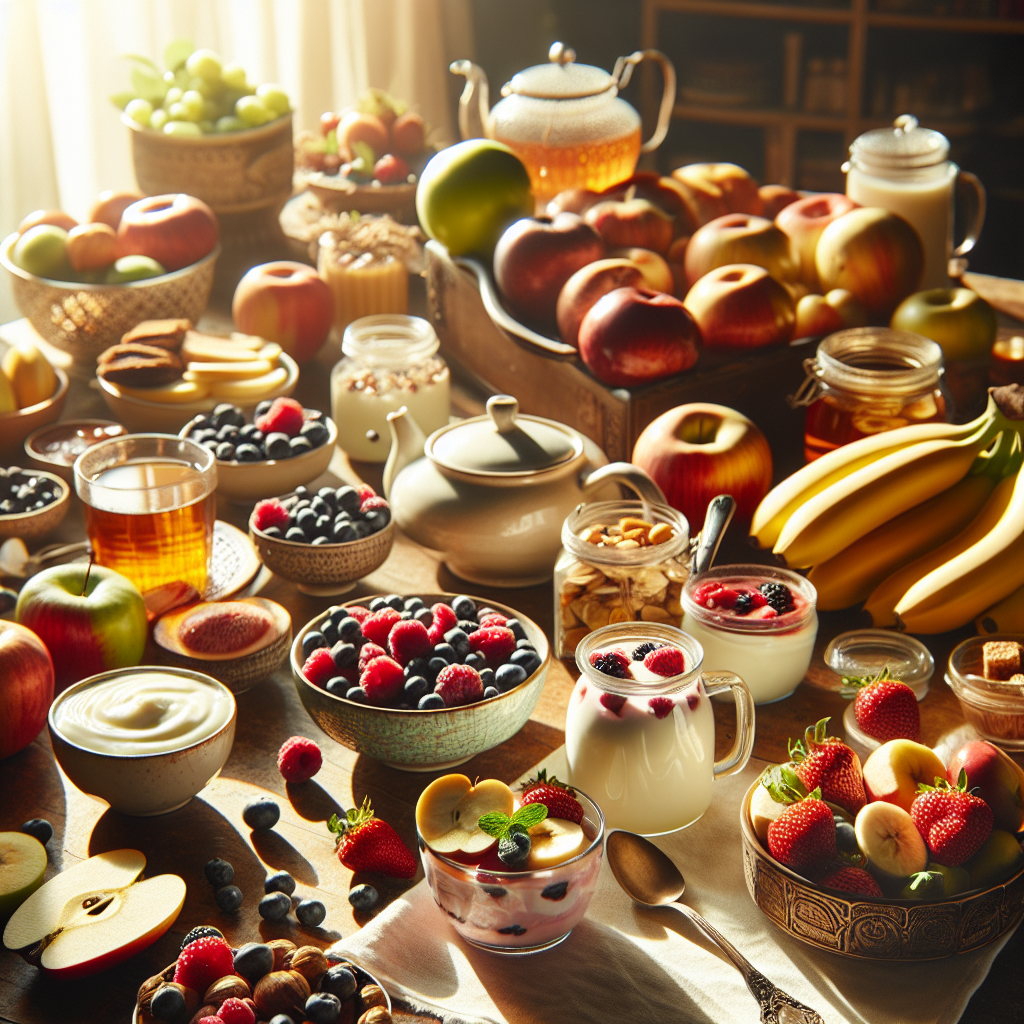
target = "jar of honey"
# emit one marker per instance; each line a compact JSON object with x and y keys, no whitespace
{"x":865,"y":381}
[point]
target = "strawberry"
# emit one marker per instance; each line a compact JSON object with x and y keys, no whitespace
{"x":558,"y":798}
{"x":828,"y":764}
{"x":953,"y":821}
{"x":285,"y":416}
{"x":382,"y":680}
{"x":804,"y":834}
{"x":458,"y":685}
{"x":665,"y":661}
{"x":496,"y":643}
{"x":365,"y":843}
{"x":407,"y":640}
{"x":661,"y":707}
{"x":884,"y":707}
{"x":714,"y":595}
{"x":299,"y":759}
{"x":444,"y":619}
{"x":202,"y":962}
{"x":365,"y":491}
{"x":270,"y":513}
{"x":319,"y":667}
{"x":377,"y":628}
{"x":374,"y":501}
{"x":850,"y":879}
{"x":367,"y":653}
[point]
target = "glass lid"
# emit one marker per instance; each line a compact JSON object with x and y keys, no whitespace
{"x":560,"y":79}
{"x":865,"y":652}
{"x":502,"y":442}
{"x":903,"y":146}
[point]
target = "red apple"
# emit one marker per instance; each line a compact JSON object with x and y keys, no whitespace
{"x":994,"y":776}
{"x":92,"y":247}
{"x":633,"y":336}
{"x":669,"y":195}
{"x":633,"y":222}
{"x":742,"y":306}
{"x":717,"y":189}
{"x":696,"y":451}
{"x":740,"y":238}
{"x":26,"y":687}
{"x":408,"y":134}
{"x":356,"y":127}
{"x":775,"y":198}
{"x":655,"y":269}
{"x":823,"y":314}
{"x":573,"y":200}
{"x":536,"y":256}
{"x":285,"y":302}
{"x":875,"y":254}
{"x":586,"y":286}
{"x":110,"y":205}
{"x":175,"y":230}
{"x":804,"y":221}
{"x":676,"y":257}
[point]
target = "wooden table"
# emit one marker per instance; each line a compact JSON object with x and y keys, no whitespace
{"x":211,"y":826}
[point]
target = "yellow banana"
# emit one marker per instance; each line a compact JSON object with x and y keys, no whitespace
{"x":881,"y":604}
{"x":965,"y":586}
{"x":874,"y":494}
{"x":1005,"y":617}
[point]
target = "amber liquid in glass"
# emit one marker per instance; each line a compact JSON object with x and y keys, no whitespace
{"x":155,"y":525}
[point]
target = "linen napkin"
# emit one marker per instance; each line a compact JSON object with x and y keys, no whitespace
{"x":629,"y":963}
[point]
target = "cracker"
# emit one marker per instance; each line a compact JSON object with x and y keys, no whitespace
{"x":168,"y":334}
{"x":139,"y":366}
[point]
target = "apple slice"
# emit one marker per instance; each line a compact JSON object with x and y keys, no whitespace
{"x":893,"y":771}
{"x":554,"y":841}
{"x":449,"y":808}
{"x":94,"y":915}
{"x":22,"y":865}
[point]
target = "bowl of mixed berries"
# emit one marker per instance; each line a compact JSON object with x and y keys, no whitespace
{"x":284,"y":446}
{"x":422,"y":682}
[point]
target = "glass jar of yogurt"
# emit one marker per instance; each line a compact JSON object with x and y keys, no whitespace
{"x":755,"y":620}
{"x":643,"y":741}
{"x":390,"y":360}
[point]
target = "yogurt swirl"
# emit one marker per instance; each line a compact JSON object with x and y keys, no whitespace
{"x":148,"y":712}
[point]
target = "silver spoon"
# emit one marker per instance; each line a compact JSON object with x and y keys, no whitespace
{"x":649,"y":877}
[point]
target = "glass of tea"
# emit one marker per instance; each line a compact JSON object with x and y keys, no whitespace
{"x":150,"y":507}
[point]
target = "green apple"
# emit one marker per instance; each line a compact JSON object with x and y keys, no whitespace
{"x":960,"y":320}
{"x":22,"y":865}
{"x":470,"y":192}
{"x":133,"y":268}
{"x":91,"y":619}
{"x":999,"y":857}
{"x":43,"y":251}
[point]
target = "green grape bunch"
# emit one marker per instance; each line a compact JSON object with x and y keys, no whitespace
{"x":197,"y":94}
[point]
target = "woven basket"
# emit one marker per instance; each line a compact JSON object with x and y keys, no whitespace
{"x":85,"y":319}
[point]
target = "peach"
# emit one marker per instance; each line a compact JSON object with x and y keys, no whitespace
{"x":408,"y":134}
{"x":110,"y":205}
{"x":356,"y":127}
{"x":92,"y":247}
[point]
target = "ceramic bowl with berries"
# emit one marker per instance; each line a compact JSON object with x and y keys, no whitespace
{"x":422,"y":682}
{"x":32,"y":502}
{"x":282,"y":447}
{"x":323,"y":542}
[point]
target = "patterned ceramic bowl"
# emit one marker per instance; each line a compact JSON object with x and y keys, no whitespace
{"x":31,"y":526}
{"x":424,"y":741}
{"x":17,"y":425}
{"x":870,"y":928}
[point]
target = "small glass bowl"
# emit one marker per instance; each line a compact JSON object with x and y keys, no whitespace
{"x":995,"y":709}
{"x":517,"y":912}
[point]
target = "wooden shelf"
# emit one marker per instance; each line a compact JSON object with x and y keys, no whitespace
{"x":759,"y":118}
{"x":771,"y":12}
{"x":918,"y":22}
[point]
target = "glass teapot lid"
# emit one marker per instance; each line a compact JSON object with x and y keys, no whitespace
{"x":503,"y":443}
{"x":903,"y":146}
{"x":560,"y":79}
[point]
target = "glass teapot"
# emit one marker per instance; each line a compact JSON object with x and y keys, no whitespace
{"x":565,"y":120}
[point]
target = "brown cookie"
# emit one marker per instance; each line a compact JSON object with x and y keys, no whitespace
{"x":138,"y":366}
{"x":168,"y":334}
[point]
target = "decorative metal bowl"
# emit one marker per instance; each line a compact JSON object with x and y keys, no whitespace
{"x":871,"y":928}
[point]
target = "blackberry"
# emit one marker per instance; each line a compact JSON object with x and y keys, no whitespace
{"x":777,"y":595}
{"x":204,"y":931}
{"x":610,"y":666}
{"x":641,"y":652}
{"x":742,"y":604}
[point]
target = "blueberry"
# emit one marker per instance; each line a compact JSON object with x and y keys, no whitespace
{"x":323,"y":1008}
{"x":219,"y":873}
{"x":253,"y":960}
{"x":248,"y":429}
{"x":377,"y":604}
{"x":279,"y":881}
{"x":363,"y":897}
{"x":424,"y":615}
{"x":320,"y":540}
{"x":277,"y":445}
{"x":345,"y":655}
{"x":324,"y":526}
{"x":514,"y":848}
{"x":296,"y":533}
{"x":343,"y":533}
{"x":327,"y":493}
{"x":228,"y":898}
{"x":225,"y":451}
{"x":348,"y":628}
{"x":312,"y":641}
{"x":315,"y":432}
{"x":487,"y":677}
{"x":464,"y":607}
{"x":199,"y":436}
{"x":38,"y":828}
{"x":415,"y":687}
{"x":346,"y":499}
{"x":415,"y":667}
{"x":338,"y":685}
{"x":201,"y":422}
{"x":273,"y":531}
{"x":509,"y":676}
{"x":311,"y":913}
{"x":263,"y":408}
{"x":357,"y":694}
{"x":529,"y":660}
{"x":281,"y":1018}
{"x":300,"y":505}
{"x":555,"y":891}
{"x":274,"y":906}
{"x":458,"y":640}
{"x":376,"y":519}
{"x":362,"y":529}
{"x":447,"y":652}
{"x":434,"y":666}
{"x":307,"y":520}
{"x":396,"y":602}
{"x":320,"y":507}
{"x":430,"y":701}
{"x":490,"y":691}
{"x":168,"y":1004}
{"x":227,"y":413}
{"x":846,"y":837}
{"x":228,"y":432}
{"x":336,"y":613}
{"x":247,"y":453}
{"x":330,"y":632}
{"x":302,"y":490}
{"x":467,"y":626}
{"x":299,"y":445}
{"x":413,"y":604}
{"x":524,"y":645}
{"x":261,"y":814}
{"x":517,"y":629}
{"x":475,"y":659}
{"x":340,"y":980}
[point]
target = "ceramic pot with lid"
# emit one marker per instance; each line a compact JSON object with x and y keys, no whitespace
{"x":492,"y":491}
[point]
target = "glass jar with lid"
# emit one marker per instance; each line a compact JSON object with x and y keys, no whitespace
{"x":621,"y":578}
{"x":868,"y":380}
{"x":389,"y":361}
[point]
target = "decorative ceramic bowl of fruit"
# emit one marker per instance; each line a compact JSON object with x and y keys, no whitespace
{"x":425,"y":687}
{"x":282,"y":447}
{"x":32,"y":394}
{"x":32,"y":503}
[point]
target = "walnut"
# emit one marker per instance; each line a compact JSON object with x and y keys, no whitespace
{"x":281,"y":948}
{"x":231,"y":986}
{"x":146,"y":990}
{"x":203,"y":1011}
{"x":372,"y":995}
{"x":281,"y":992}
{"x":309,"y":961}
{"x":376,"y":1015}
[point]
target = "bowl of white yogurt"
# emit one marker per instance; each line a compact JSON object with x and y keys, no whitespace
{"x":145,"y":739}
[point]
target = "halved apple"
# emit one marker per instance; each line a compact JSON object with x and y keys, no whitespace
{"x":449,"y":808}
{"x":554,"y":841}
{"x":94,"y":915}
{"x":22,"y":865}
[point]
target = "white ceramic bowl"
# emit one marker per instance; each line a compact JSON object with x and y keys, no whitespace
{"x":144,"y":784}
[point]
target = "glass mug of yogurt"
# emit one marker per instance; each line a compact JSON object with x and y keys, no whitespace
{"x":643,"y":742}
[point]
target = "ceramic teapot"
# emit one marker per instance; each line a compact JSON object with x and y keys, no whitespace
{"x":565,"y":120}
{"x":491,"y":492}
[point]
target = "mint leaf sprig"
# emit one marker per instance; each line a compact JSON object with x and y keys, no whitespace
{"x":500,"y":825}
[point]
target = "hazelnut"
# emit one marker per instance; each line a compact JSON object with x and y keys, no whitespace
{"x":372,"y":995}
{"x":281,"y":992}
{"x":376,"y":1015}
{"x":231,"y":986}
{"x":203,"y":1011}
{"x":146,"y":990}
{"x":281,"y":948}
{"x":309,"y":961}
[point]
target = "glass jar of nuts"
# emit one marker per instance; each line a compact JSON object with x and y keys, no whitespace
{"x":621,"y":561}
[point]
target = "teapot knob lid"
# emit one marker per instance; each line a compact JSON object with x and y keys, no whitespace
{"x":503,"y":409}
{"x":561,"y":54}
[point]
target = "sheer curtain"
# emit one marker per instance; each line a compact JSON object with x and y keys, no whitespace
{"x":61,"y":141}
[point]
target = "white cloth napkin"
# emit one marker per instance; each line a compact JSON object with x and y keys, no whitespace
{"x":625,"y":963}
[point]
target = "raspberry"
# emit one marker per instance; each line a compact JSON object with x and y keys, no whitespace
{"x":492,"y":619}
{"x":382,"y":679}
{"x":285,"y":416}
{"x":693,"y":700}
{"x":358,"y":612}
{"x":202,"y":962}
{"x":714,"y":595}
{"x":365,"y":491}
{"x":378,"y":626}
{"x":444,"y":619}
{"x":298,"y":760}
{"x":613,"y":702}
{"x":496,"y":643}
{"x":369,"y":504}
{"x":368,"y":652}
{"x":459,"y":684}
{"x":391,"y":169}
{"x":210,"y":1020}
{"x":661,"y":706}
{"x":234,"y":1011}
{"x":270,"y":513}
{"x":612,"y":663}
{"x":665,"y":661}
{"x":743,"y":604}
{"x":778,"y":596}
{"x":318,"y":668}
{"x":408,"y":639}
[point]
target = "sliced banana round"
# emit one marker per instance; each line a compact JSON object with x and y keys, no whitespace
{"x":553,"y":841}
{"x":888,"y":836}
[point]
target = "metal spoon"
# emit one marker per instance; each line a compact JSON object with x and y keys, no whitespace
{"x":649,"y":877}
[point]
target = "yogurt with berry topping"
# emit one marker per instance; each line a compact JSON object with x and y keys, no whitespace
{"x":757,"y":621}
